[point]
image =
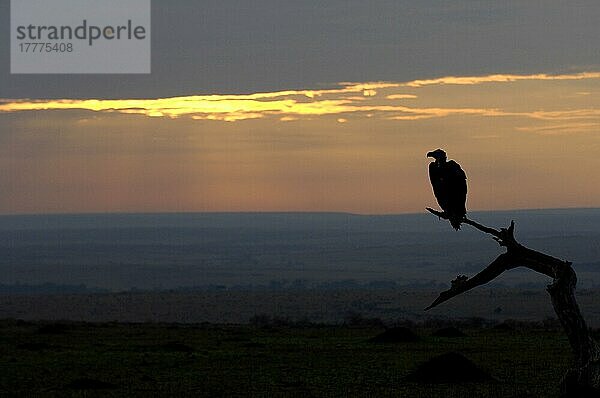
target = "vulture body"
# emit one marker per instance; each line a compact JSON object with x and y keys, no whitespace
{"x":449,"y":184}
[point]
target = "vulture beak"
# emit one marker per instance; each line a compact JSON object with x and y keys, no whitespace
{"x":430,"y":154}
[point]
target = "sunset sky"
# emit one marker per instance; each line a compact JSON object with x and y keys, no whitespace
{"x":299,"y":106}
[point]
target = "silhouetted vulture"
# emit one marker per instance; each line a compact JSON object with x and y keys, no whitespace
{"x":449,"y":184}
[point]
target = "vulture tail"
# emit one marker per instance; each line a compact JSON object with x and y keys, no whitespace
{"x":455,"y":221}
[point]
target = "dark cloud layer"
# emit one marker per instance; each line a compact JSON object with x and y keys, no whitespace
{"x":237,"y":46}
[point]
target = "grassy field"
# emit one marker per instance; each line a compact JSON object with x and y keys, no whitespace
{"x":141,"y":360}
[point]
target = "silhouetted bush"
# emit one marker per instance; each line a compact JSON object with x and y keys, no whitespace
{"x":53,"y":328}
{"x":355,"y":319}
{"x":264,"y":320}
{"x":448,"y":332}
{"x":260,"y":320}
{"x":395,"y":335}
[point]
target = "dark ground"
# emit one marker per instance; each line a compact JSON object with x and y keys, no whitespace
{"x":269,"y":358}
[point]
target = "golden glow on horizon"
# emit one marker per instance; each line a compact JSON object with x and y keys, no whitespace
{"x":525,"y":141}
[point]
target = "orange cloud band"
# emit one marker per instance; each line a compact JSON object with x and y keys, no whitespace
{"x":348,"y":98}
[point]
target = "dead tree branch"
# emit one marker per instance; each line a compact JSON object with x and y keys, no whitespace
{"x":584,"y":379}
{"x":497,"y":267}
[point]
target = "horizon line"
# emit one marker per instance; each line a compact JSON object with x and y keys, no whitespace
{"x":281,"y":212}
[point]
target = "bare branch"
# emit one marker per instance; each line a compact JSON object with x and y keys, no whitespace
{"x":585,"y":376}
{"x":504,"y":236}
{"x":440,"y":214}
{"x":483,"y":228}
{"x":502,"y":263}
